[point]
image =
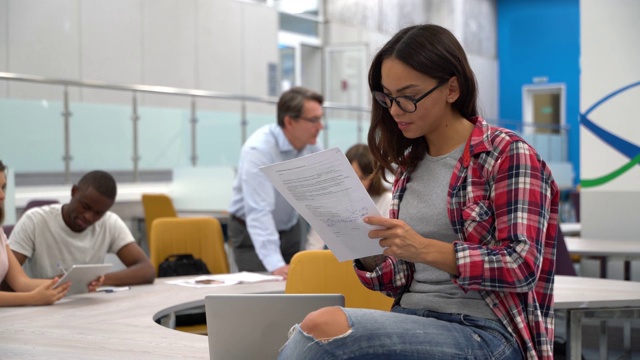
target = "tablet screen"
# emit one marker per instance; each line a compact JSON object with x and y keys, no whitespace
{"x":81,"y":275}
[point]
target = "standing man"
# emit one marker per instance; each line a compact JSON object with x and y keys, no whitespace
{"x":264,"y":229}
{"x":83,"y":231}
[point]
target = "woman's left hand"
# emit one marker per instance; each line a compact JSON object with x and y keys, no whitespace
{"x":402,"y":242}
{"x":398,"y":239}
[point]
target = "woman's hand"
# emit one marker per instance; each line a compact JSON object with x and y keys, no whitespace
{"x":398,"y":239}
{"x":95,"y":284}
{"x":402,"y":242}
{"x":45,"y":294}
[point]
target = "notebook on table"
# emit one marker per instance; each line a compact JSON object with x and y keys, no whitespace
{"x":255,"y":326}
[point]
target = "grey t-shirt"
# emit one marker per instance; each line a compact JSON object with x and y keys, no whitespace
{"x":424,"y":208}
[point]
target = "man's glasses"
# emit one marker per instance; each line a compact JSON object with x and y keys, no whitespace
{"x":313,"y":120}
{"x":408,"y":104}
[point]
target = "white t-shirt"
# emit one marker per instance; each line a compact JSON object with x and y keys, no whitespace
{"x":383,"y":203}
{"x":48,"y":243}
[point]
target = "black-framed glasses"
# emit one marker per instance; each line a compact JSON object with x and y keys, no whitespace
{"x":408,"y":104}
{"x":313,"y":120}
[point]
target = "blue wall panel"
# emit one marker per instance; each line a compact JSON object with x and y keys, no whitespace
{"x":540,"y":38}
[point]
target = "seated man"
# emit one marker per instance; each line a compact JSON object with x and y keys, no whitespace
{"x":55,"y":237}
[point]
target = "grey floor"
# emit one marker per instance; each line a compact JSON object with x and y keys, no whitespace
{"x":591,"y":341}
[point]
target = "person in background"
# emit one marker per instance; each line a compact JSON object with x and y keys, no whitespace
{"x":362,"y":162}
{"x":469,"y":248}
{"x":26,"y":291}
{"x":264,"y":229}
{"x":54,"y":237}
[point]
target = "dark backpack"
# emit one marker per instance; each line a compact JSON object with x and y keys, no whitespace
{"x":182,"y":264}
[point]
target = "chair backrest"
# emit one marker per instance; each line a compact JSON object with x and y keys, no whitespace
{"x":319,"y":272}
{"x":38,"y":203}
{"x":7,"y":229}
{"x":156,"y":206}
{"x":200,"y":237}
{"x":564,"y":263}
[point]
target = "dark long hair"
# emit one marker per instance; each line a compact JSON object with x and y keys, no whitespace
{"x":431,"y":50}
{"x":2,"y":169}
{"x":362,"y":156}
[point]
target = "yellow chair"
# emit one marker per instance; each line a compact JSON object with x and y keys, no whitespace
{"x":156,"y":206}
{"x":200,"y":237}
{"x":318,"y":271}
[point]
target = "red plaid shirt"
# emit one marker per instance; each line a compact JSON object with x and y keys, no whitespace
{"x":503,"y":204}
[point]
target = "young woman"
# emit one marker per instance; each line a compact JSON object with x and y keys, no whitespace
{"x":363,"y":164}
{"x":469,"y":250}
{"x":27,"y":291}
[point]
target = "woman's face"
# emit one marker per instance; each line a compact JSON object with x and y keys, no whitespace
{"x":366,"y":180}
{"x":398,"y":79}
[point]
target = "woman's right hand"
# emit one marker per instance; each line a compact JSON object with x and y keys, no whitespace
{"x":45,"y":294}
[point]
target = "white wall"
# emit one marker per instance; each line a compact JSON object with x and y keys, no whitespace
{"x":609,"y":61}
{"x":4,"y":34}
{"x":610,"y":56}
{"x":216,"y":45}
{"x":369,"y":25}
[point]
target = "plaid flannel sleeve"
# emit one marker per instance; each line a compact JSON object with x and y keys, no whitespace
{"x":521,"y":200}
{"x":389,"y":277}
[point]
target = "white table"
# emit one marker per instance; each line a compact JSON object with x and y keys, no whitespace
{"x":594,"y":299}
{"x":605,"y":250}
{"x":112,"y":326}
{"x":570,"y":229}
{"x":122,"y":325}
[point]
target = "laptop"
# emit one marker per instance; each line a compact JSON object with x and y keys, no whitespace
{"x":256,"y":326}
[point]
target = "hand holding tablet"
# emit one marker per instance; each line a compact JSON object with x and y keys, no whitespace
{"x":81,"y":275}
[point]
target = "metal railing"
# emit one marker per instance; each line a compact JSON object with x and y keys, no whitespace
{"x":543,"y":135}
{"x":135,"y":117}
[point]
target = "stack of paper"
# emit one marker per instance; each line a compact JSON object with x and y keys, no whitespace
{"x":225,"y":279}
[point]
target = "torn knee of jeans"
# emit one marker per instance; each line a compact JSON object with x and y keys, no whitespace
{"x":322,"y":340}
{"x":326,"y":340}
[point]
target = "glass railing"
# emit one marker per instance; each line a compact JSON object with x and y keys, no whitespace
{"x":550,"y":141}
{"x":61,"y":136}
{"x":64,"y":136}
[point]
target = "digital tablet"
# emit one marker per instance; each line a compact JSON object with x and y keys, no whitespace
{"x":81,"y":275}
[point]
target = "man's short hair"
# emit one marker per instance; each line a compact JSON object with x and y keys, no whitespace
{"x":291,"y":102}
{"x":100,"y":181}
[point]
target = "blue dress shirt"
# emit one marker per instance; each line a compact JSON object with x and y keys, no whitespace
{"x":254,"y":198}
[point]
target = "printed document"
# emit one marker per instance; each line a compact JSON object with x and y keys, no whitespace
{"x":242,"y":277}
{"x":325,"y":190}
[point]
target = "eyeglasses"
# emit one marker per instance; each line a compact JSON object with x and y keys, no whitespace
{"x":408,"y":104}
{"x":313,"y":120}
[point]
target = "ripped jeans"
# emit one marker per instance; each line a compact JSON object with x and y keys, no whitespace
{"x":407,"y":334}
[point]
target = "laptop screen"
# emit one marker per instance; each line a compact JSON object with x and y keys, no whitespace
{"x":256,"y":326}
